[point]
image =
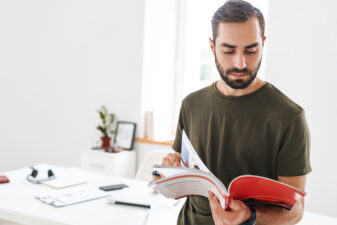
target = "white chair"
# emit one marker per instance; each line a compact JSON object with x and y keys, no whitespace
{"x":144,"y":172}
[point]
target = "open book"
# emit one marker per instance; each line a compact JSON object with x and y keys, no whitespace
{"x":194,"y":178}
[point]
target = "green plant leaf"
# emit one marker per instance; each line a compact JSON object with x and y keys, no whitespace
{"x":111,"y":119}
{"x":103,"y":130}
{"x":107,"y":121}
{"x":101,"y":115}
{"x":104,"y":110}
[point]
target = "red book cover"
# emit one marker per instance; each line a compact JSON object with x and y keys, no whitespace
{"x":260,"y":190}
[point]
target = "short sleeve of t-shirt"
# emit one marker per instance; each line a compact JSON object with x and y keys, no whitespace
{"x":293,"y":157}
{"x":177,"y":142}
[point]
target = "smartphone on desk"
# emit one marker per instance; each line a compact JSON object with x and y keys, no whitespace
{"x":113,"y":187}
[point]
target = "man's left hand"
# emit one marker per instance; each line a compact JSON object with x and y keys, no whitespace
{"x":238,"y":212}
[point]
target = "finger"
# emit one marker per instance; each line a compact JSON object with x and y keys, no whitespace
{"x":210,"y":195}
{"x":213,"y":201}
{"x":236,"y":204}
{"x":175,"y":160}
{"x":166,"y":162}
{"x":171,"y":160}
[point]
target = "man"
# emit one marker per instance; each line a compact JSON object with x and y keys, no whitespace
{"x":242,"y":125}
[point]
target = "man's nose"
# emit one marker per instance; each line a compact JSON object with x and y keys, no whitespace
{"x":239,"y":61}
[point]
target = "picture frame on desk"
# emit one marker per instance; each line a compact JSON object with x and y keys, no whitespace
{"x":125,"y":135}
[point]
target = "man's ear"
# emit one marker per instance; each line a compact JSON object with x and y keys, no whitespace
{"x":264,"y":39}
{"x":211,"y":45}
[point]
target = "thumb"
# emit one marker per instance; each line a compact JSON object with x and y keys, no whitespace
{"x":236,"y":204}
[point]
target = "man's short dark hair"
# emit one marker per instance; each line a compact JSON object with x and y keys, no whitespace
{"x":236,"y":11}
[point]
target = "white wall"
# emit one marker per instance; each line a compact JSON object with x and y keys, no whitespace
{"x":59,"y":62}
{"x":301,"y":61}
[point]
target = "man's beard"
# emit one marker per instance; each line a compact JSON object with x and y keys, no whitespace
{"x":238,"y":83}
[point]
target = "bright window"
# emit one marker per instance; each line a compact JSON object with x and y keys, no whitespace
{"x":183,"y":53}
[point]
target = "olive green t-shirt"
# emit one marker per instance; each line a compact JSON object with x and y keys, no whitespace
{"x":262,"y":133}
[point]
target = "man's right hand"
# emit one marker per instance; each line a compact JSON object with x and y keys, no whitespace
{"x":172,"y":159}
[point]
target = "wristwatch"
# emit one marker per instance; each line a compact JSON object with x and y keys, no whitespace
{"x":252,"y":219}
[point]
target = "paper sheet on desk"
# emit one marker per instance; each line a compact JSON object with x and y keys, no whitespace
{"x":144,"y":196}
{"x":71,"y":197}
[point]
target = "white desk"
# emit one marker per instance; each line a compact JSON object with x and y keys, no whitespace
{"x":17,"y":204}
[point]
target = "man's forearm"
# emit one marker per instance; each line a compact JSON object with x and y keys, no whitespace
{"x":266,"y":215}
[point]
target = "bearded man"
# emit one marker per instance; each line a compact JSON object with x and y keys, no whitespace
{"x":242,"y":125}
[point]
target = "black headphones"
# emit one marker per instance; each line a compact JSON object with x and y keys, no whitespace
{"x":32,"y":177}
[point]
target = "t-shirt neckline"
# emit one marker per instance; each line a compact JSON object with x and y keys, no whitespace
{"x":226,"y":97}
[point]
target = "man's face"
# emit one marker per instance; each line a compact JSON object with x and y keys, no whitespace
{"x":238,"y":52}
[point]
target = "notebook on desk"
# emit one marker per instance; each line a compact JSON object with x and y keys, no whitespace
{"x":65,"y":182}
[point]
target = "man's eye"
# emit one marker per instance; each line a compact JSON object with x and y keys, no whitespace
{"x":250,"y":52}
{"x":229,"y":53}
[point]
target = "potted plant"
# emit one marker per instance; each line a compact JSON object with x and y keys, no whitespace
{"x":106,"y":126}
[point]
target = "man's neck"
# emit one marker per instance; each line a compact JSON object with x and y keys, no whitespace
{"x":226,"y":90}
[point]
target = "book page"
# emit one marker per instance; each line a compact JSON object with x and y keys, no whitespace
{"x":189,"y":157}
{"x":188,"y":182}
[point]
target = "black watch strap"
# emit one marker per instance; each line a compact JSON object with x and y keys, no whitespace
{"x":252,"y":219}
